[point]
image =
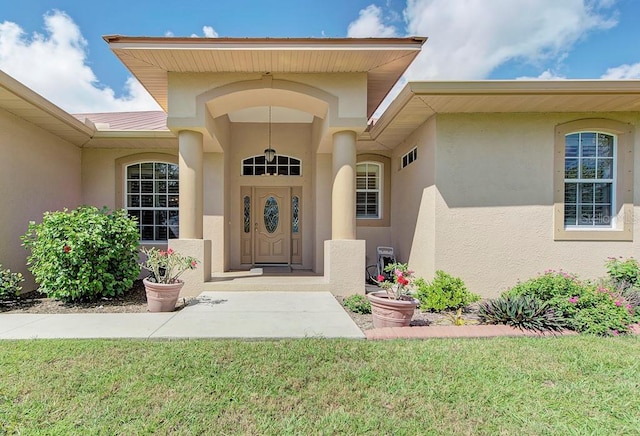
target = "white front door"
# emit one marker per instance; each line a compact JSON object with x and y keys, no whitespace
{"x":272,"y":225}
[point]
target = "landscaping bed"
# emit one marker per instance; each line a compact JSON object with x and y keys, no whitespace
{"x":133,"y":301}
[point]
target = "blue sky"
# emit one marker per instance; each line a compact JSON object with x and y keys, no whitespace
{"x":56,"y":46}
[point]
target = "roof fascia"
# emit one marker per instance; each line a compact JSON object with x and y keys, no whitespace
{"x":28,"y":95}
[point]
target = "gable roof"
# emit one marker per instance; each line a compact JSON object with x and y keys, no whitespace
{"x":150,"y":59}
{"x":418,"y":101}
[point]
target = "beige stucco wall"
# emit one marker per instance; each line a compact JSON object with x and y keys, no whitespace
{"x":38,"y":172}
{"x":323,"y":181}
{"x":412,"y":201}
{"x":349,"y":88}
{"x":492,"y":203}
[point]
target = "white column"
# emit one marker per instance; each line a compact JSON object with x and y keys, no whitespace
{"x":343,"y":194}
{"x":191,"y":184}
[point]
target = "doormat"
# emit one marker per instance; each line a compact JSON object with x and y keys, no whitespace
{"x":267,"y":270}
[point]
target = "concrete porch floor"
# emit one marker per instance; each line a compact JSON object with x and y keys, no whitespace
{"x":268,"y":279}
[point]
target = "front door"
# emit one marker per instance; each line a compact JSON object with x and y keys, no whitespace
{"x":272,"y":225}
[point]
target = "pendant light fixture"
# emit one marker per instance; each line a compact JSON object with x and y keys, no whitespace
{"x":269,"y":153}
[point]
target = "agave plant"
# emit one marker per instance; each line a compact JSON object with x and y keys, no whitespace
{"x":523,"y":312}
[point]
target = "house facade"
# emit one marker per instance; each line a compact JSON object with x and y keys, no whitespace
{"x":263,"y":156}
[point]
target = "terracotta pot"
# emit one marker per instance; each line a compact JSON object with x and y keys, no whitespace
{"x":162,"y":297}
{"x":391,"y":313}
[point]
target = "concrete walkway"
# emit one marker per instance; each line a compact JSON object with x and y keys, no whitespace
{"x":255,"y":315}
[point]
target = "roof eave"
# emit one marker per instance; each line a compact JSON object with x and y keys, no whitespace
{"x":39,"y":102}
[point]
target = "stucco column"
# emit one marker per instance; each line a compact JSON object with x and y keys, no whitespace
{"x":343,"y":194}
{"x":191,"y":184}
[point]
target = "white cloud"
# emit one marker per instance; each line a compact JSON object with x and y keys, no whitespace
{"x":207,"y":31}
{"x":469,"y":39}
{"x":370,"y":24}
{"x":625,"y":71}
{"x":545,"y":75}
{"x":55,"y":65}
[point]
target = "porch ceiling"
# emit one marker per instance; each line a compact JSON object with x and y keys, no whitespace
{"x":418,"y":101}
{"x":383,"y":59}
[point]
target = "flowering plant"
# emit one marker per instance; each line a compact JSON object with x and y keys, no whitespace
{"x":401,"y":287}
{"x":166,"y":266}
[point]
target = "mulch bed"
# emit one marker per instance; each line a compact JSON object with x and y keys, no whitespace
{"x":133,"y":301}
{"x":421,"y":319}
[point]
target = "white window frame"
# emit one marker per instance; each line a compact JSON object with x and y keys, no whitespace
{"x":154,"y":193}
{"x":408,"y":158}
{"x":613,"y":181}
{"x":623,"y":208}
{"x":378,"y":191}
{"x":244,"y":162}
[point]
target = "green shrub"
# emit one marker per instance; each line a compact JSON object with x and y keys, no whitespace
{"x":521,"y":311}
{"x":83,"y":254}
{"x":587,"y":308}
{"x":9,"y":284}
{"x":597,"y":310}
{"x":548,"y":286}
{"x":357,"y":304}
{"x":443,"y":293}
{"x":623,"y":273}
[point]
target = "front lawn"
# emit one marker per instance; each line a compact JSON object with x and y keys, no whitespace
{"x":568,"y":385}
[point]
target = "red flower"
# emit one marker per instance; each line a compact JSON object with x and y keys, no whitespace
{"x":403,"y":281}
{"x":380,"y":278}
{"x":67,"y":249}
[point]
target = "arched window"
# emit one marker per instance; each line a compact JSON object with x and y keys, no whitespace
{"x":152,"y":196}
{"x":593,"y":183}
{"x":281,"y":166}
{"x":368,"y":190}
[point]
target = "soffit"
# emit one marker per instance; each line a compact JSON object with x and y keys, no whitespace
{"x":24,"y":103}
{"x":418,"y":101}
{"x":383,"y":59}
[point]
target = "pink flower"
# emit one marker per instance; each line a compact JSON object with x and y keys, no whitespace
{"x":170,"y":251}
{"x":162,"y":252}
{"x":398,"y":273}
{"x":573,"y":300}
{"x":618,"y":303}
{"x":380,"y":278}
{"x":194,"y":263}
{"x":615,"y":332}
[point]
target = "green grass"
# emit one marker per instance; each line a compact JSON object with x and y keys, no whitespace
{"x":569,"y":385}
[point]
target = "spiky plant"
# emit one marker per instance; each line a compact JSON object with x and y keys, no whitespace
{"x":523,"y":312}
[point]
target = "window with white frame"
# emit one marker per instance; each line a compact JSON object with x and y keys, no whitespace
{"x":152,"y":196}
{"x":589,"y":179}
{"x":368,"y":190}
{"x":281,"y":166}
{"x":409,"y":157}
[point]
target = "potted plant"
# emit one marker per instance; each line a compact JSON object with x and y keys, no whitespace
{"x":394,"y":307}
{"x":163,"y":284}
